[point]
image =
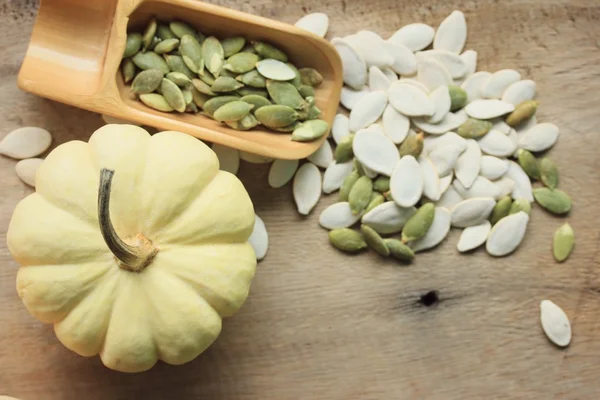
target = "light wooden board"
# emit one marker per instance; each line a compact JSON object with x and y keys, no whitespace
{"x":323,"y":325}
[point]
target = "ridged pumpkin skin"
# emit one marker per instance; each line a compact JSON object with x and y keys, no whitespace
{"x":167,"y":187}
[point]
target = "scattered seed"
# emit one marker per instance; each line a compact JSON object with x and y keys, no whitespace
{"x":555,"y":323}
{"x":307,"y":188}
{"x":259,"y":239}
{"x":399,"y":250}
{"x":419,"y":223}
{"x":437,"y":232}
{"x":563,"y":243}
{"x":26,"y":170}
{"x":406,"y":183}
{"x":414,"y":36}
{"x":347,"y":240}
{"x":374,"y":240}
{"x":473,"y":237}
{"x":26,"y":142}
{"x":317,"y":23}
{"x":554,"y":200}
{"x":507,"y":234}
{"x":548,"y":173}
{"x":523,"y":112}
{"x":452,"y":33}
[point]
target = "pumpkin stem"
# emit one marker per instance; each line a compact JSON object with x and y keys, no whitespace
{"x":133,"y":257}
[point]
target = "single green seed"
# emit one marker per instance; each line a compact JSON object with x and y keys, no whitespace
{"x":347,"y":185}
{"x":419,"y":223}
{"x":213,"y":55}
{"x":173,"y":95}
{"x":343,"y":151}
{"x":267,"y":50}
{"x":286,"y":94}
{"x":548,"y":173}
{"x":374,"y":241}
{"x":127,"y":69}
{"x":241,"y":63}
{"x":233,"y":111}
{"x":225,"y":84}
{"x":501,"y":209}
{"x":150,"y":60}
{"x":376,"y":200}
{"x":529,"y":163}
{"x":399,"y":250}
{"x":232,"y":45}
{"x":360,"y":194}
{"x":382,"y":184}
{"x":132,"y":44}
{"x":412,"y":145}
{"x":212,"y":105}
{"x":147,"y":81}
{"x":522,"y":113}
{"x":276,"y":116}
{"x":474,"y":128}
{"x":166,"y":46}
{"x":563,"y":243}
{"x":180,"y":29}
{"x":347,"y":240}
{"x":156,"y":101}
{"x":191,"y":53}
{"x":458,"y":97}
{"x":306,"y":91}
{"x":553,"y":200}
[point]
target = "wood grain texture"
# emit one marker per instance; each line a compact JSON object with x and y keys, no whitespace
{"x":322,"y":325}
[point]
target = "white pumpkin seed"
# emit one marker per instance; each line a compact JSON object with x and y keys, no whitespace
{"x":444,"y":158}
{"x":555,"y":323}
{"x":445,"y":182}
{"x":461,"y":116}
{"x":450,"y":122}
{"x":410,"y":100}
{"x":26,"y":142}
{"x":255,"y":158}
{"x":376,"y":152}
{"x":488,"y":108}
{"x":355,"y":68}
{"x":395,"y":125}
{"x":440,"y":98}
{"x":334,"y":176}
{"x":512,"y":135}
{"x":414,"y":82}
{"x":414,"y":36}
{"x":369,"y":46}
{"x":390,"y":74}
{"x":338,"y":215}
{"x":473,"y":237}
{"x":275,"y":69}
{"x":259,"y":239}
{"x":452,"y":33}
{"x":388,"y":218}
{"x":497,"y":144}
{"x":281,"y":172}
{"x":340,"y":128}
{"x":468,"y":164}
{"x":27,"y":169}
{"x":367,"y":110}
{"x":493,"y":168}
{"x":374,"y":128}
{"x":317,"y":23}
{"x":499,"y":82}
{"x":323,"y":156}
{"x":431,"y":180}
{"x":519,"y":92}
{"x":472,"y":212}
{"x":469,"y":58}
{"x":405,"y":62}
{"x":433,"y":74}
{"x":523,"y":187}
{"x":507,"y":234}
{"x":449,"y":199}
{"x":378,"y":80}
{"x":109,"y":119}
{"x":452,"y":62}
{"x":406,"y":183}
{"x":349,"y":97}
{"x":539,"y":138}
{"x":432,"y":143}
{"x":473,"y":85}
{"x":501,"y":126}
{"x":506,"y":186}
{"x":229,"y":159}
{"x":437,"y":232}
{"x":307,"y":188}
{"x":481,"y":187}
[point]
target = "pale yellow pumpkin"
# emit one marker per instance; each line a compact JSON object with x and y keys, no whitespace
{"x":183,"y":262}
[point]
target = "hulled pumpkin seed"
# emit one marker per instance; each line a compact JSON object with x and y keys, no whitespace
{"x":267,"y":50}
{"x":164,"y":32}
{"x":247,"y":91}
{"x":382,"y":184}
{"x":529,"y":163}
{"x":191,"y":53}
{"x":347,"y":240}
{"x":548,"y":173}
{"x":241,"y":63}
{"x":173,"y":95}
{"x":310,"y":76}
{"x":563,"y":243}
{"x":127,"y":69}
{"x":147,"y":81}
{"x":374,"y":241}
{"x":376,"y":200}
{"x":176,"y":64}
{"x":233,"y":111}
{"x":418,"y":225}
{"x":150,"y":60}
{"x":360,"y":194}
{"x":202,"y":87}
{"x":458,"y":97}
{"x":156,"y":101}
{"x":148,"y":35}
{"x":343,"y":151}
{"x":474,"y":128}
{"x":248,"y":122}
{"x":501,"y":209}
{"x":166,"y":46}
{"x":224,"y":84}
{"x":132,"y":44}
{"x":520,"y":205}
{"x":310,"y":130}
{"x":213,"y":54}
{"x":286,"y":94}
{"x":554,"y":200}
{"x":276,"y":116}
{"x":256,"y":101}
{"x":412,"y":145}
{"x":212,"y":105}
{"x":349,"y":181}
{"x":306,"y":91}
{"x":187,"y":96}
{"x":179,"y":79}
{"x":232,"y":45}
{"x":180,"y":29}
{"x":253,"y":79}
{"x":522,"y":113}
{"x":399,"y":250}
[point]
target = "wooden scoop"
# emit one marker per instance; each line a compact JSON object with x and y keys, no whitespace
{"x":76,"y":49}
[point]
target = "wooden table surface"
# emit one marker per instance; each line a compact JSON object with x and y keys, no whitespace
{"x":322,"y":325}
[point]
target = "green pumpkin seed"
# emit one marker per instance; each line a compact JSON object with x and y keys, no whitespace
{"x":176,"y":64}
{"x":147,"y":81}
{"x":232,"y":45}
{"x":127,"y":69}
{"x":166,"y":46}
{"x":474,"y":128}
{"x":374,"y":241}
{"x":245,"y":124}
{"x":520,"y":205}
{"x":164,"y":32}
{"x":501,"y":209}
{"x":148,"y":35}
{"x":179,"y":79}
{"x":399,"y":250}
{"x":267,"y":50}
{"x":276,"y":116}
{"x":522,"y":113}
{"x":297,"y":81}
{"x":418,"y":225}
{"x":132,"y":44}
{"x":207,"y":77}
{"x":199,"y":98}
{"x":180,"y":29}
{"x":554,"y":200}
{"x":191,"y":53}
{"x":213,"y":54}
{"x":256,"y":101}
{"x":156,"y":101}
{"x":347,"y":185}
{"x":343,"y":151}
{"x":247,"y":91}
{"x":187,"y":96}
{"x":382,"y":184}
{"x":310,"y":76}
{"x":202,"y":87}
{"x":253,"y":79}
{"x":288,"y":128}
{"x":286,"y":94}
{"x":173,"y":95}
{"x":412,"y":145}
{"x":225,"y":84}
{"x":360,"y":195}
{"x":310,"y":130}
{"x":306,"y":91}
{"x":233,"y":111}
{"x":150,"y":60}
{"x":458,"y":97}
{"x":548,"y":173}
{"x":377,"y":199}
{"x":212,"y":105}
{"x":347,"y":240}
{"x":529,"y":163}
{"x":563,"y":243}
{"x":241,"y":63}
